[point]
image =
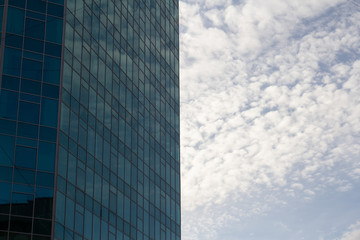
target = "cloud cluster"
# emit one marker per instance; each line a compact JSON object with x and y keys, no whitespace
{"x":353,"y":232}
{"x":269,"y":101}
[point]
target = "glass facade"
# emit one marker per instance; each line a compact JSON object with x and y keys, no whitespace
{"x":89,"y":119}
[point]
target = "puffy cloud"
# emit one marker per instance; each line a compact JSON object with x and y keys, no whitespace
{"x":353,"y":232}
{"x":270,"y":106}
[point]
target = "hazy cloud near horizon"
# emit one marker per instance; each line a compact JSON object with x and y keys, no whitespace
{"x":270,"y":113}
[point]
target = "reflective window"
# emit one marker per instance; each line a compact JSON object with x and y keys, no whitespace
{"x":25,"y":157}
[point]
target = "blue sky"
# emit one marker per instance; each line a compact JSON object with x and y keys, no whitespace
{"x":270,"y":119}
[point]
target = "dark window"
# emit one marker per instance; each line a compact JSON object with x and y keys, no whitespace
{"x":37,"y":5}
{"x":54,"y":28}
{"x":8,"y":104}
{"x":24,"y":176}
{"x":34,"y":28}
{"x":11,"y":83}
{"x":33,"y":45}
{"x":29,"y":86}
{"x":29,"y":112}
{"x":49,"y":112}
{"x":46,"y":156}
{"x":13,"y":62}
{"x":47,"y":134}
{"x":32,"y":69}
{"x":19,"y":224}
{"x":15,"y":21}
{"x":25,"y":157}
{"x":27,"y":130}
{"x":22,"y":204}
{"x":55,"y":10}
{"x":13,"y":40}
{"x":51,"y":70}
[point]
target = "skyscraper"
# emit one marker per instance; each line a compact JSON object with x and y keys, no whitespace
{"x":89,"y":119}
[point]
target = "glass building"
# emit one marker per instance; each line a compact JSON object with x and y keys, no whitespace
{"x":89,"y":119}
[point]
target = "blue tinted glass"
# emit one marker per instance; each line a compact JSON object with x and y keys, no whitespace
{"x":24,"y":176}
{"x":55,"y":10}
{"x":43,"y":202}
{"x":42,"y":227}
{"x":32,"y":55}
{"x":25,"y":157}
{"x":44,"y":192}
{"x":45,"y":179}
{"x":54,"y":28}
{"x":13,"y":40}
{"x":33,"y":45}
{"x":7,"y":126}
{"x":35,"y":15}
{"x":23,"y":188}
{"x":53,"y":49}
{"x":29,"y":112}
{"x":13,"y":62}
{"x":51,"y":70}
{"x":17,"y":3}
{"x":46,"y":156}
{"x":48,"y":134}
{"x":26,"y":142}
{"x":32,"y":69}
{"x":5,"y":193}
{"x":15,"y":21}
{"x":34,"y":28}
{"x":30,"y":98}
{"x":36,"y":5}
{"x":6,"y":150}
{"x":5,"y":173}
{"x":22,"y":198}
{"x":10,"y":82}
{"x":8,"y":104}
{"x":50,"y":91}
{"x":27,"y":130}
{"x":29,"y":86}
{"x":57,"y":1}
{"x":1,"y":15}
{"x":49,"y":112}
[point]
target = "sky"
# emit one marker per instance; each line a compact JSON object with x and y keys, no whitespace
{"x":270,"y":119}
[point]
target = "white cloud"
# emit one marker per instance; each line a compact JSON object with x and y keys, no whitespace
{"x":353,"y":232}
{"x":269,"y":99}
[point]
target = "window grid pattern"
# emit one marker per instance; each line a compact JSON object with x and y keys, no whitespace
{"x":31,"y":36}
{"x":119,"y":166}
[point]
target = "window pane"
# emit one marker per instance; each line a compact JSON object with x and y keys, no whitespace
{"x":49,"y":112}
{"x":45,"y":179}
{"x":29,"y":86}
{"x":34,"y":28}
{"x":15,"y":21}
{"x":25,"y":157}
{"x":11,"y":83}
{"x":33,"y":45}
{"x":47,"y":134}
{"x":24,"y":176}
{"x":8,"y":104}
{"x":46,"y":156}
{"x":22,"y":204}
{"x":29,"y":112}
{"x":51,"y":70}
{"x":32,"y":69}
{"x":27,"y":130}
{"x":13,"y":62}
{"x":6,"y":150}
{"x":54,"y":28}
{"x":50,"y":91}
{"x":19,"y":224}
